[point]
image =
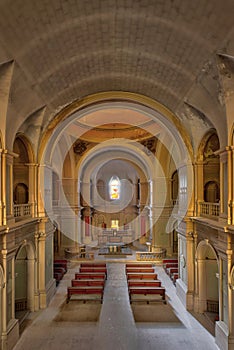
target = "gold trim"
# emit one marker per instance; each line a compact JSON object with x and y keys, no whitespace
{"x":98,"y":98}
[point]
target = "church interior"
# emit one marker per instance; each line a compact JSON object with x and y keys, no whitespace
{"x":116,"y":174}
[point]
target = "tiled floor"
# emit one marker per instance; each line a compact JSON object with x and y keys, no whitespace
{"x":116,"y":329}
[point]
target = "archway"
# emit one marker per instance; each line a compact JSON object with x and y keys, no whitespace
{"x":21,"y":194}
{"x":207,"y":279}
{"x":211,"y":192}
{"x":24,"y":280}
{"x":146,"y":117}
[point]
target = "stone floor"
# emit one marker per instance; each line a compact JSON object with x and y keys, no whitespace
{"x":116,"y":328}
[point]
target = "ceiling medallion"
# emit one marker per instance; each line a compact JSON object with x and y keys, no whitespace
{"x":80,"y":147}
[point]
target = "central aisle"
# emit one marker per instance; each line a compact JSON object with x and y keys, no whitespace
{"x":117,"y":330}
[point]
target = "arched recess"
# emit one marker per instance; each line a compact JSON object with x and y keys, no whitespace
{"x":23,"y":174}
{"x":208,"y":174}
{"x":211,"y":192}
{"x":207,"y":278}
{"x":24,"y":279}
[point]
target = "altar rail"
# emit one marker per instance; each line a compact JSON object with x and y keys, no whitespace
{"x":147,"y":256}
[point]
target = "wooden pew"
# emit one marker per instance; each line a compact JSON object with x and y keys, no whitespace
{"x":168,"y":265}
{"x":61,"y":263}
{"x":84,"y":293}
{"x":175,"y":276}
{"x":146,"y":291}
{"x":139,"y":269}
{"x":172,"y":270}
{"x":139,"y":265}
{"x":169,"y":260}
{"x":90,"y":275}
{"x":58,"y":276}
{"x":142,"y":276}
{"x":94,"y":264}
{"x":60,"y":270}
{"x":88,"y":282}
{"x":142,"y":283}
{"x":93,"y":269}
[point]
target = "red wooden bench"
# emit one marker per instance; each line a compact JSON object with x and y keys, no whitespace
{"x":88,"y":282}
{"x":170,"y":260}
{"x":90,"y":275}
{"x":172,"y":270}
{"x":146,"y":291}
{"x":97,"y":264}
{"x":58,"y":276}
{"x":142,"y":283}
{"x":142,"y":276}
{"x":93,"y":269}
{"x":139,"y":265}
{"x":175,"y":276}
{"x":61,"y":263}
{"x":139,"y":269}
{"x":60,"y":270}
{"x":83,"y":293}
{"x":167,"y":265}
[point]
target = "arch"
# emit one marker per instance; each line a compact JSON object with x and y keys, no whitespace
{"x":211,"y":192}
{"x":101,"y":101}
{"x":25,"y":272}
{"x":169,"y":130}
{"x":203,"y":143}
{"x":21,"y":195}
{"x":26,"y":143}
{"x":207,"y":269}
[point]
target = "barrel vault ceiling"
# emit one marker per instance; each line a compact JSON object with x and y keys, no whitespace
{"x":55,"y":52}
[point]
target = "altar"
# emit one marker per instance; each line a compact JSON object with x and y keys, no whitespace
{"x":114,"y":236}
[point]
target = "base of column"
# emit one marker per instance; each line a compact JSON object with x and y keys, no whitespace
{"x":181,"y":291}
{"x":46,"y":296}
{"x":222,"y":337}
{"x":10,"y":338}
{"x":186,"y":297}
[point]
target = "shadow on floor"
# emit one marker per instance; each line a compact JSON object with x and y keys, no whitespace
{"x":154,"y":312}
{"x":78,"y":311}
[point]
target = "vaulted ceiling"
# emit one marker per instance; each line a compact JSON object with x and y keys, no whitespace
{"x":53,"y":53}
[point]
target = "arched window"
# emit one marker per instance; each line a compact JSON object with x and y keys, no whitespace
{"x":114,"y":188}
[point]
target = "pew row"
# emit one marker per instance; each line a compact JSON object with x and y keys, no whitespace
{"x":139,"y":265}
{"x":95,"y":264}
{"x":142,"y":283}
{"x":142,"y":276}
{"x":85,"y":293}
{"x":93,"y":269}
{"x":146,"y":293}
{"x":61,"y":263}
{"x":139,"y":269}
{"x":90,"y":275}
{"x":88,"y":282}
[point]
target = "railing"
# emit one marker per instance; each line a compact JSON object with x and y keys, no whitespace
{"x":145,"y":256}
{"x":213,"y":306}
{"x":209,"y":209}
{"x":22,"y":210}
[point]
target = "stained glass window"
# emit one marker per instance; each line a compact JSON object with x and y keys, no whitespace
{"x":114,"y":188}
